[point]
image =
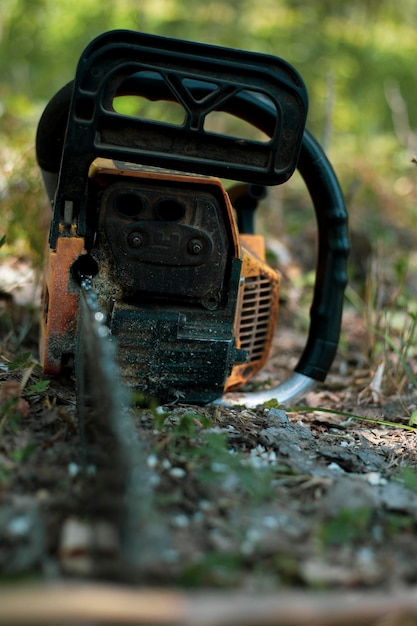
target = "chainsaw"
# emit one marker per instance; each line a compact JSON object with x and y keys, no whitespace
{"x":158,"y":216}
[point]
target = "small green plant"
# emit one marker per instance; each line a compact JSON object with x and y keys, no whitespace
{"x":20,"y":455}
{"x":408,"y":477}
{"x":406,"y":342}
{"x":272,"y":404}
{"x":35,"y":390}
{"x":181,"y":428}
{"x":357,"y":525}
{"x":396,"y":523}
{"x":390,"y":311}
{"x":5,"y":476}
{"x":23,"y":207}
{"x":413,"y":419}
{"x":347,"y":526}
{"x":392,"y":324}
{"x":22,"y":361}
{"x":189,"y":441}
{"x":10,"y":415}
{"x":14,"y":393}
{"x":214,"y":569}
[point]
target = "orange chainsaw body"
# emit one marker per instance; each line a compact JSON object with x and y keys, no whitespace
{"x":257,"y":298}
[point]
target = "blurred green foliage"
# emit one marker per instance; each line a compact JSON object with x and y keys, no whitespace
{"x":357,"y":59}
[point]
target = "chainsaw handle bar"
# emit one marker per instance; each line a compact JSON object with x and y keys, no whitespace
{"x":84,"y":142}
{"x":96,"y":129}
{"x":331,"y":279}
{"x":331,"y":271}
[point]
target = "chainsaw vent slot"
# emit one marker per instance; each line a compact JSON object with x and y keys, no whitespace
{"x":223,"y":123}
{"x":255,"y":318}
{"x":131,"y":102}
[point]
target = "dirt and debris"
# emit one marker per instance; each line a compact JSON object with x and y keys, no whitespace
{"x":260,"y":500}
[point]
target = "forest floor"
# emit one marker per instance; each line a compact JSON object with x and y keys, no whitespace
{"x":260,"y":500}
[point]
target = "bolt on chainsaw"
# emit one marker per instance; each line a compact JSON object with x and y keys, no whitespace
{"x":159,"y":215}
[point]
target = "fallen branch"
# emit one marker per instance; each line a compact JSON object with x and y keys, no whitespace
{"x":107,"y":604}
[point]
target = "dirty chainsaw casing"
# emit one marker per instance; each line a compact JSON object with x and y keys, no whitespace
{"x":140,"y":206}
{"x":193,"y":306}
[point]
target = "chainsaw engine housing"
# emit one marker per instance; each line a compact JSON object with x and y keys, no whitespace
{"x":191,"y":306}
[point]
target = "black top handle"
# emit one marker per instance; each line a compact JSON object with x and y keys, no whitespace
{"x":95,"y":129}
{"x":260,"y":89}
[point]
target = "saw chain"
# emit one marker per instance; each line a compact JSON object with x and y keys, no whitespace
{"x":116,"y":482}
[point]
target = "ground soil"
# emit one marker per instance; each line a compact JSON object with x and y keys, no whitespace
{"x":258,"y":499}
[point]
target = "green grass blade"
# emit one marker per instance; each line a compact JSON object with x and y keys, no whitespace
{"x":400,"y":355}
{"x":379,"y":422}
